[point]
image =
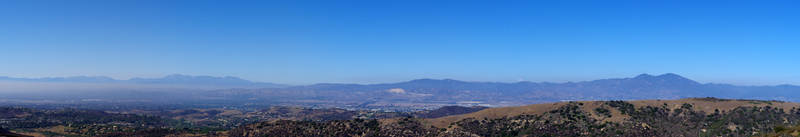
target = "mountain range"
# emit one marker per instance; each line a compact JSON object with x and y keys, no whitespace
{"x":174,"y":79}
{"x":644,"y":86}
{"x":435,"y":92}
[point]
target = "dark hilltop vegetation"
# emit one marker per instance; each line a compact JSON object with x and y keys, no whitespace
{"x":684,"y":117}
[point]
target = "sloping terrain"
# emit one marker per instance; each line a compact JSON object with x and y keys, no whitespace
{"x":447,"y":111}
{"x":707,"y":105}
{"x":6,"y":133}
{"x":684,"y":117}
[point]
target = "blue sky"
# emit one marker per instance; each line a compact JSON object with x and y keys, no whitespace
{"x":375,"y":41}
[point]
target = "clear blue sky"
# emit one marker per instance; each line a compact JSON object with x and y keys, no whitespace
{"x":374,"y":41}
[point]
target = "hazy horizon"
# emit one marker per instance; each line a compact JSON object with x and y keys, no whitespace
{"x":236,"y":77}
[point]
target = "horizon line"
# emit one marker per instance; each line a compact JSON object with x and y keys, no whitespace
{"x":355,"y":83}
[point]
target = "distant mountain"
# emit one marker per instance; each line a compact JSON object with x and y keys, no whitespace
{"x":62,"y":79}
{"x":178,"y":78}
{"x":170,"y":80}
{"x":418,"y":94}
{"x":644,"y":86}
{"x":228,"y":81}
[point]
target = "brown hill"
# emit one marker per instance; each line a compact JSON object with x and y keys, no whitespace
{"x":684,"y":117}
{"x":448,"y":111}
{"x":708,"y":105}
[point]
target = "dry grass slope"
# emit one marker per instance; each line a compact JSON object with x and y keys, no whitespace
{"x":709,"y":105}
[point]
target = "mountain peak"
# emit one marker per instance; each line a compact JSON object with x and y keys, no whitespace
{"x":434,"y":81}
{"x":643,"y":75}
{"x":667,"y":77}
{"x":422,"y":80}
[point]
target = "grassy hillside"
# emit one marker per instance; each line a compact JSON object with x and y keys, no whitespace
{"x":685,"y":117}
{"x":707,"y":105}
